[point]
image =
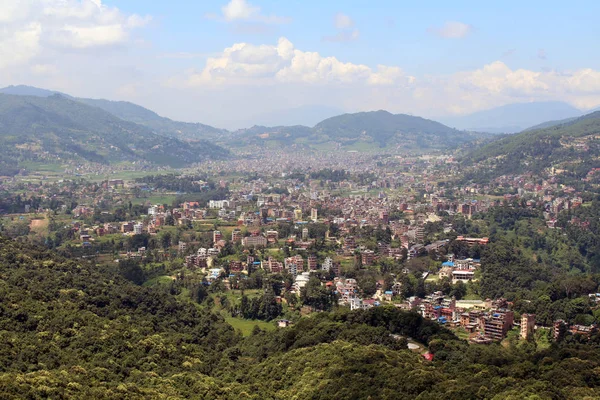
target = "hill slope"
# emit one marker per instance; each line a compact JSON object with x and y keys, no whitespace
{"x":375,"y":130}
{"x":130,"y":112}
{"x":573,"y":147}
{"x":161,"y":125}
{"x":56,"y":126}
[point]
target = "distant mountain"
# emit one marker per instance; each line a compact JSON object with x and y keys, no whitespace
{"x":53,"y":127}
{"x":23,"y":90}
{"x":512,"y":118}
{"x":162,"y":125}
{"x":572,"y":147}
{"x":131,"y":112}
{"x":385,"y":129}
{"x":361,"y":131}
{"x":308,"y":115}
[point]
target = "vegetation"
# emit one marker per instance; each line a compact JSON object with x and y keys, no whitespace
{"x":55,"y":127}
{"x":72,"y":329}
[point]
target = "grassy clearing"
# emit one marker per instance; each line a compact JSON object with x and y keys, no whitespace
{"x":159,"y":280}
{"x":246,"y":325}
{"x":156,"y":199}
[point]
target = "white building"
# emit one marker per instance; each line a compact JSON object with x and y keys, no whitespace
{"x":138,"y":228}
{"x":218,"y":203}
{"x":301,"y":281}
{"x":327,"y":264}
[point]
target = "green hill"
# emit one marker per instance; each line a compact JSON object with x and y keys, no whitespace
{"x":573,"y":146}
{"x":130,"y":112}
{"x":161,"y":125}
{"x":70,"y":329}
{"x":49,"y":128}
{"x":375,"y":130}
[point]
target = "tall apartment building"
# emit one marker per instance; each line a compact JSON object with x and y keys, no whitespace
{"x":527,"y":325}
{"x":497,"y":324}
{"x":236,"y":235}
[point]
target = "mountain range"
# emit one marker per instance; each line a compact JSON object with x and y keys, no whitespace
{"x":56,"y":128}
{"x":131,"y":112}
{"x":512,"y":118}
{"x":570,"y":147}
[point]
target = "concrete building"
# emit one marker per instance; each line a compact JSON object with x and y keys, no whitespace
{"x":138,"y":228}
{"x":497,"y":324}
{"x":527,"y":325}
{"x":256,"y":241}
{"x":367,"y":257}
{"x":314,"y":214}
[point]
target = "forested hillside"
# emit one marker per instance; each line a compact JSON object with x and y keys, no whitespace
{"x":70,"y":329}
{"x":56,"y":127}
{"x":573,"y":147}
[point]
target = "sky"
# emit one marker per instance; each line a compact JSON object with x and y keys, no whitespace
{"x":225,"y":63}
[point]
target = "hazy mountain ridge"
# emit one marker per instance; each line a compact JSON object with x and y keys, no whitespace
{"x":573,"y":147}
{"x":131,"y":112}
{"x":512,"y":118}
{"x":357,"y":131}
{"x":61,"y":127}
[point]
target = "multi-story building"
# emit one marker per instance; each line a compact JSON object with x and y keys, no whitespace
{"x":256,"y":241}
{"x":314,"y":214}
{"x":217,"y":236}
{"x":312,"y":262}
{"x":497,"y":324}
{"x":127,"y":227}
{"x":327,"y":264}
{"x":236,"y":235}
{"x":527,"y":325}
{"x":138,"y":228}
{"x":367,"y":257}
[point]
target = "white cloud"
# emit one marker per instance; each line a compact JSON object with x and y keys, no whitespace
{"x":31,"y":27}
{"x":249,"y":64}
{"x":241,"y":10}
{"x":452,"y":30}
{"x":342,"y":21}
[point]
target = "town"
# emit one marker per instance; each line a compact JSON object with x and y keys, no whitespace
{"x":403,"y":231}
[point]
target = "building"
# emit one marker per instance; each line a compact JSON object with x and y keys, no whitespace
{"x":217,"y":236}
{"x":314,"y":214}
{"x":327,"y":264}
{"x":298,"y":214}
{"x":497,"y":324}
{"x":384,"y":217}
{"x":301,"y":281}
{"x":138,"y":228}
{"x":294,"y":265}
{"x":256,"y":241}
{"x":304,"y":233}
{"x":127,"y":227}
{"x":462,"y":275}
{"x":236,"y":235}
{"x":272,"y":236}
{"x":312,"y":263}
{"x":527,"y":325}
{"x":367,"y":257}
{"x":473,"y":241}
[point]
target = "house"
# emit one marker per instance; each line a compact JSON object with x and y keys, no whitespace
{"x":283,"y":323}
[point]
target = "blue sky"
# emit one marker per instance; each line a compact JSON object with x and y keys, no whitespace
{"x":427,"y":58}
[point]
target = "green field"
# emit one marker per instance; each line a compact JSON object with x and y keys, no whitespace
{"x":246,"y":325}
{"x":156,"y":199}
{"x":159,"y":280}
